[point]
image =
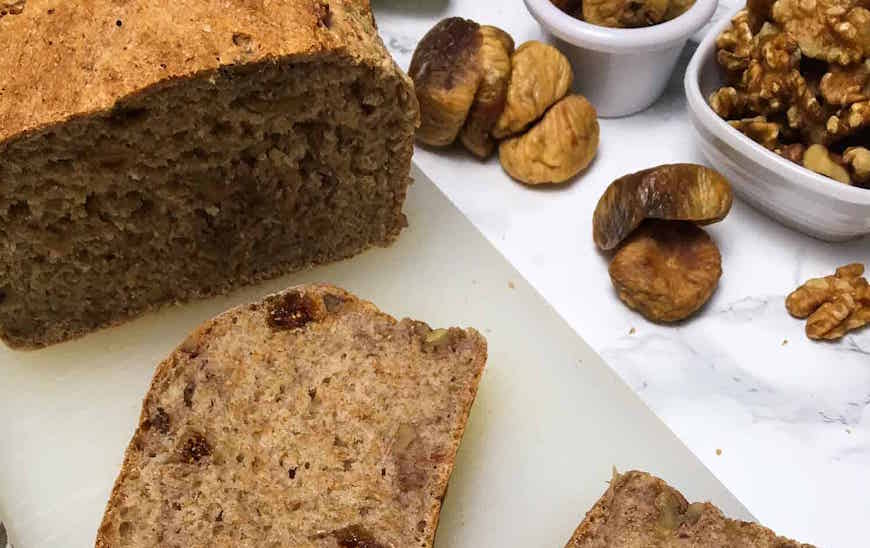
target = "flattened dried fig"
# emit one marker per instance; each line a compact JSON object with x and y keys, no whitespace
{"x":679,"y":192}
{"x":666,"y":270}
{"x":446,"y":73}
{"x":558,"y":147}
{"x":495,"y":62}
{"x":540,"y":76}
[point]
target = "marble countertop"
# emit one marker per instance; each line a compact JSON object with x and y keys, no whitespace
{"x":782,"y":421}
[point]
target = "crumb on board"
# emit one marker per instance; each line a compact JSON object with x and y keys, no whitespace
{"x":718,"y":452}
{"x":848,"y":430}
{"x":511,"y":285}
{"x":632,"y":331}
{"x":784,"y":342}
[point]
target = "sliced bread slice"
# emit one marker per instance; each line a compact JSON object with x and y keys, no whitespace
{"x":308,"y":419}
{"x":639,"y":510}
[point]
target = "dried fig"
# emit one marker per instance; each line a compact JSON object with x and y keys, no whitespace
{"x":446,"y":73}
{"x":677,"y":8}
{"x":558,"y":147}
{"x":684,"y":192}
{"x":540,"y":76}
{"x":624,"y":13}
{"x":495,"y":61}
{"x":666,"y":270}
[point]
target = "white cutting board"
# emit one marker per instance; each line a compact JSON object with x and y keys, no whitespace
{"x":550,"y":420}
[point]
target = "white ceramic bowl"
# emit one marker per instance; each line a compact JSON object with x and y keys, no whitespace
{"x":620,"y":71}
{"x":796,"y":197}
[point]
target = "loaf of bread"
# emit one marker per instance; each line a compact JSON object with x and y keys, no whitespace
{"x":310,"y":419}
{"x":642,"y":511}
{"x":160,"y":151}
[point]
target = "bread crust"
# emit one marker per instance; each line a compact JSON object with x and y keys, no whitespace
{"x":639,"y":510}
{"x":164,"y":151}
{"x":467,"y":343}
{"x":65,"y":60}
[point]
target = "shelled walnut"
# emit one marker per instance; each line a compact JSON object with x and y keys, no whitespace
{"x":472,"y":86}
{"x":858,"y":160}
{"x":665,"y":266}
{"x":833,"y":305}
{"x":624,"y":13}
{"x":797,"y":80}
{"x":819,"y":159}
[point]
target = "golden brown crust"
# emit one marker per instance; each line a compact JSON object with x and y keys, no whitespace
{"x":62,"y":60}
{"x":639,"y":510}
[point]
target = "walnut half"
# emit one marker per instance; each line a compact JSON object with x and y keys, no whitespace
{"x":833,"y":305}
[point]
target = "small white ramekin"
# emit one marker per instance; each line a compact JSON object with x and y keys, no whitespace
{"x":789,"y":193}
{"x":620,"y":71}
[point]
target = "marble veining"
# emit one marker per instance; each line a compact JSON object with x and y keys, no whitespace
{"x":783,"y":422}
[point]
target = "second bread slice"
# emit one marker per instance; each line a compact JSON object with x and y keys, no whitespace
{"x":308,"y":419}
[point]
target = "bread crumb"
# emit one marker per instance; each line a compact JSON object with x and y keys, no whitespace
{"x":632,"y":331}
{"x":718,"y":452}
{"x":848,"y":430}
{"x":784,"y":342}
{"x":511,"y":285}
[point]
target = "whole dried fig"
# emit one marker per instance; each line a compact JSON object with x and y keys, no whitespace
{"x":446,"y":73}
{"x":684,"y":192}
{"x":540,"y":76}
{"x":666,"y":270}
{"x":558,"y":147}
{"x":495,"y":62}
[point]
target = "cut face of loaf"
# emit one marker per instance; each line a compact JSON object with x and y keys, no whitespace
{"x":310,"y":419}
{"x":639,"y":510}
{"x":156,"y":152}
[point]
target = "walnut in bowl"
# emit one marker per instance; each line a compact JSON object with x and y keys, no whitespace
{"x":769,"y":177}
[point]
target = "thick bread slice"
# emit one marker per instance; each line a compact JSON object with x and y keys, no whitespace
{"x":642,"y":511}
{"x":308,"y":419}
{"x":158,"y":151}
